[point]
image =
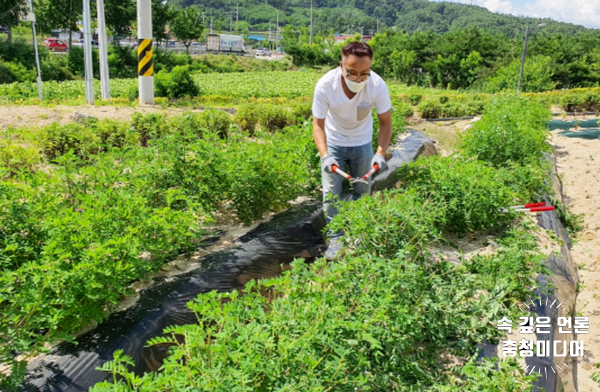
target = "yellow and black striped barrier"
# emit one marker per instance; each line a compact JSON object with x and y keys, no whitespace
{"x":145,"y":62}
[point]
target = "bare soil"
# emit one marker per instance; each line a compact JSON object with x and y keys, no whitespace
{"x":39,"y":116}
{"x":578,"y":162}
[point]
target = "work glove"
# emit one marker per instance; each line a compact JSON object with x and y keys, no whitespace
{"x":380,"y":160}
{"x":327,"y":162}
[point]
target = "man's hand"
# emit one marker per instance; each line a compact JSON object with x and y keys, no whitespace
{"x":327,"y":162}
{"x":379,"y":160}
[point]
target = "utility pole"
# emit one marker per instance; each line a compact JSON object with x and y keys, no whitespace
{"x":311,"y":22}
{"x":230,"y":21}
{"x":523,"y":56}
{"x":145,"y":61}
{"x":35,"y":48}
{"x":87,"y":51}
{"x":237,"y":15}
{"x":277,"y":32}
{"x":211,"y":31}
{"x":102,"y":46}
{"x":378,"y":25}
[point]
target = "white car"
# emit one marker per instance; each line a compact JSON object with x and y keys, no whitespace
{"x":79,"y":43}
{"x":263,"y":52}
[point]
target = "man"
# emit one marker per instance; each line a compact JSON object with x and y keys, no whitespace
{"x":343,"y":126}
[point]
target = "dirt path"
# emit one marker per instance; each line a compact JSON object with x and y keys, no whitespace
{"x":578,"y":162}
{"x":38,"y":116}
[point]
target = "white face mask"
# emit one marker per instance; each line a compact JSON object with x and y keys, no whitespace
{"x":354,"y":86}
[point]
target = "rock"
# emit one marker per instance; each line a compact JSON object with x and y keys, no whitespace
{"x":80,"y":117}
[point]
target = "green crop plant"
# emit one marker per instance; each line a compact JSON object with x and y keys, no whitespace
{"x":247,"y":116}
{"x":511,"y":129}
{"x":272,"y":118}
{"x":365,"y":322}
{"x":471,"y":193}
{"x":74,"y":238}
{"x":15,"y":159}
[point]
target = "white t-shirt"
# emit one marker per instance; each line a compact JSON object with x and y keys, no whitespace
{"x":348,"y":122}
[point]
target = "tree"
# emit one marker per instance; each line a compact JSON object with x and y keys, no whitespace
{"x":61,"y":14}
{"x":9,"y":14}
{"x":162,"y":15}
{"x":187,"y":26}
{"x":537,"y":76}
{"x":120,"y":15}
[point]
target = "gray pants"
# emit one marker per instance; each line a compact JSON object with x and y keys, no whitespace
{"x":355,"y":161}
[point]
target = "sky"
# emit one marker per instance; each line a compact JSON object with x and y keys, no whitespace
{"x":582,"y":12}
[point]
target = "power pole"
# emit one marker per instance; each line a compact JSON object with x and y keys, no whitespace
{"x":211,"y":31}
{"x":378,"y":25}
{"x":230,"y":21}
{"x":145,"y":61}
{"x":237,"y":15}
{"x":311,"y":22}
{"x":87,"y":51}
{"x":35,"y":48}
{"x":277,"y":32}
{"x":102,"y":46}
{"x":523,"y":60}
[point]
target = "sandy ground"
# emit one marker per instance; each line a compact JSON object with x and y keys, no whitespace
{"x":38,"y":116}
{"x":578,"y":162}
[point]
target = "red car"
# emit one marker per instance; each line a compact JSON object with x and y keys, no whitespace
{"x":55,"y":45}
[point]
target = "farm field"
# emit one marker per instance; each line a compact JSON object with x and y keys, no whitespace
{"x":91,"y":208}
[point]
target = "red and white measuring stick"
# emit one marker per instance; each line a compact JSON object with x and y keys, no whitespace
{"x":534,"y":209}
{"x":530,"y":205}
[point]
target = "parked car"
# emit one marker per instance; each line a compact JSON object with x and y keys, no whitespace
{"x":55,"y":45}
{"x":80,"y":43}
{"x":263,"y":52}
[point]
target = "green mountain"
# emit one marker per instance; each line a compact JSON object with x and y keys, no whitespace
{"x":339,"y":16}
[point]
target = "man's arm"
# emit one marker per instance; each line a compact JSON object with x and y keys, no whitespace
{"x":385,"y":132}
{"x":319,"y":135}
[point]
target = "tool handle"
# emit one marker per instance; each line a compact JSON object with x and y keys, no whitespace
{"x":339,"y":171}
{"x":533,"y":205}
{"x":548,"y":208}
{"x":371,"y":172}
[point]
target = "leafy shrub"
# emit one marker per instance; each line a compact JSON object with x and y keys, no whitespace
{"x":114,"y":133}
{"x":13,"y":72}
{"x":56,"y":68}
{"x":150,"y":126}
{"x":511,"y":129}
{"x":176,"y":83}
{"x":395,"y":221}
{"x":443,"y":99}
{"x":15,"y":159}
{"x":430,"y":108}
{"x":402,"y":110}
{"x":577,"y":102}
{"x":247,"y":117}
{"x":272,"y":118}
{"x":217,"y":121}
{"x":77,"y":64}
{"x":301,"y":112}
{"x":56,"y":140}
{"x":471,"y":193}
{"x":415,"y":99}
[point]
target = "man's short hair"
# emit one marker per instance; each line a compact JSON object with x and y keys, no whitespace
{"x":359,"y":49}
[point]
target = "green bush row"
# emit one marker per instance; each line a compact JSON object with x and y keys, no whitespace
{"x":75,"y":236}
{"x":585,"y":102}
{"x":379,"y":317}
{"x":442,"y":107}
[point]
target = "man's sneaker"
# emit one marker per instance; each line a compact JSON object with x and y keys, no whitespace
{"x":336,"y":244}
